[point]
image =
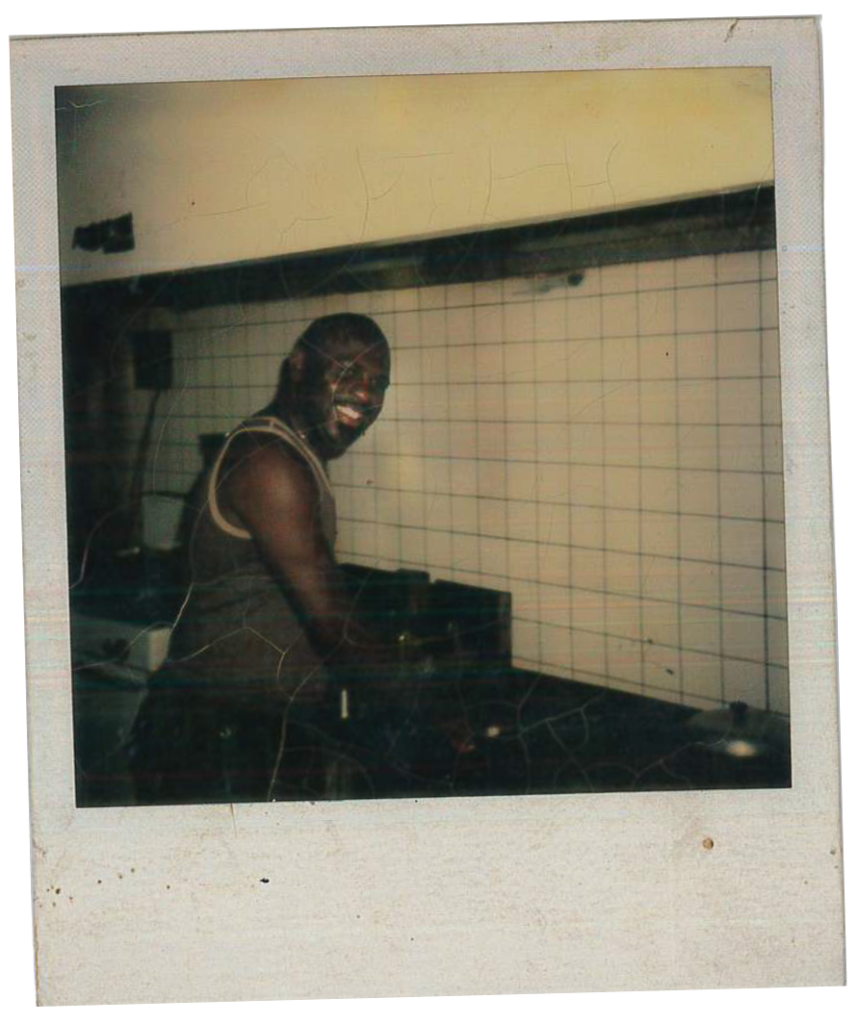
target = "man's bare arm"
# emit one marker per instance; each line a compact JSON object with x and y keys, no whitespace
{"x":276,"y":498}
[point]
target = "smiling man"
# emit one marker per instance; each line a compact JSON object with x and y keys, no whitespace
{"x":266,"y":613}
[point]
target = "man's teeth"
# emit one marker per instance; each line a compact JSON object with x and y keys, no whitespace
{"x":350,"y":413}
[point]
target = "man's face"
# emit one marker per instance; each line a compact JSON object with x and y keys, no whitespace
{"x":340,"y":393}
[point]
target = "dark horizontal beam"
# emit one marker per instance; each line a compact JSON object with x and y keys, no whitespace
{"x":725,"y":222}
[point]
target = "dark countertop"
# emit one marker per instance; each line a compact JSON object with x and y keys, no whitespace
{"x":514,"y":732}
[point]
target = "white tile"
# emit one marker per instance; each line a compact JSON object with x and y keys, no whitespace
{"x":771,"y":402}
{"x":699,"y":447}
{"x":583,"y":360}
{"x":744,"y":681}
{"x":696,"y":310}
{"x":463,"y":477}
{"x":587,"y":654}
{"x":551,"y":361}
{"x":741,"y":495}
{"x":698,"y":492}
{"x":520,"y":440}
{"x":519,"y":361}
{"x":552,"y":482}
{"x":739,"y":401}
{"x":412,"y":473}
{"x":439,"y":511}
{"x":775,"y":545}
{"x":622,"y":487}
{"x":658,"y":446}
{"x":555,"y":643}
{"x":659,"y":489}
{"x":518,"y":321}
{"x":778,"y":690}
{"x":619,"y":277}
{"x":656,"y":274}
{"x":697,"y":402}
{"x":465,"y":552}
{"x":585,"y":402}
{"x":411,"y":509}
{"x":491,"y":440}
{"x":741,"y":448}
{"x":520,"y":402}
{"x":462,"y":441}
{"x":696,"y":355}
{"x":774,"y":497}
{"x":739,"y":307}
{"x":488,"y":324}
{"x":492,"y":517}
{"x":744,"y":637}
{"x":700,"y":583}
{"x":433,"y":297}
{"x":406,"y":331}
{"x":587,"y":527}
{"x":586,"y":607}
{"x":657,"y":357}
{"x":743,"y":589}
{"x":768,"y":265}
{"x":583,"y":318}
{"x":659,"y":533}
{"x":522,"y":560}
{"x":622,"y":573}
{"x":554,"y":565}
{"x":741,"y":542}
{"x":659,"y":578}
{"x":701,"y":674}
{"x":621,"y":403}
{"x":586,"y":442}
{"x":552,"y":442}
{"x":457,"y":402}
{"x":777,"y":641}
{"x":438,"y":548}
{"x":489,"y":364}
{"x":770,"y":304}
{"x":586,"y":486}
{"x":387,"y":506}
{"x":661,"y":668}
{"x":493,"y":555}
{"x":772,"y":438}
{"x":554,"y":605}
{"x":521,"y":480}
{"x":660,"y":623}
{"x":622,"y":617}
{"x":624,"y":662}
{"x":549,"y":321}
{"x":697,"y":270}
{"x":436,"y":438}
{"x":776,"y":593}
{"x":619,"y":316}
{"x":554,"y":524}
{"x":699,"y":537}
{"x":490,"y":401}
{"x":522,"y":520}
{"x":438,"y":476}
{"x":657,"y":401}
{"x":621,"y":444}
{"x":737,"y":266}
{"x":738,"y":354}
{"x":656,"y":312}
{"x":525,"y":639}
{"x":619,"y":358}
{"x":462,"y":364}
{"x":552,"y":402}
{"x":491,"y":478}
{"x":460,"y":326}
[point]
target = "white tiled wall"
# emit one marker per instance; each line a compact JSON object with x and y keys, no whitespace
{"x":608,"y":452}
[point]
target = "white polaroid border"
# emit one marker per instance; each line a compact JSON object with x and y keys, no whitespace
{"x":449,"y":896}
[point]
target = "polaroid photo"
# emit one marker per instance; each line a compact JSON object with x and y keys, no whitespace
{"x":427,"y":517}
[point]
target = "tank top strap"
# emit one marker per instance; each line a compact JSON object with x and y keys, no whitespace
{"x":262,"y":425}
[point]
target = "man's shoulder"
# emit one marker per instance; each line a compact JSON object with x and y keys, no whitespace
{"x":266,"y":458}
